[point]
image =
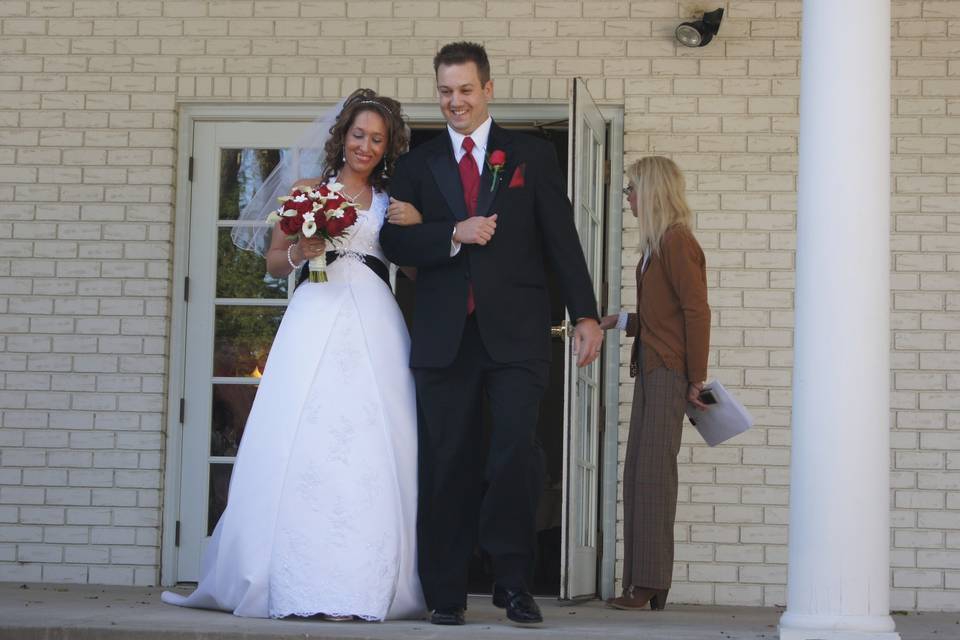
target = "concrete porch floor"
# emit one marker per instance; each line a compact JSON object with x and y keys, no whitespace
{"x":86,"y":612}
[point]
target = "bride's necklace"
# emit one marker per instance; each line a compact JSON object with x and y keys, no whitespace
{"x":353,"y":196}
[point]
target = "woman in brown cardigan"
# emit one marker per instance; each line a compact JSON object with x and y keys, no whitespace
{"x":671,"y":331}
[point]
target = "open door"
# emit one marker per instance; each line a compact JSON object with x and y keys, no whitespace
{"x":583,"y":390}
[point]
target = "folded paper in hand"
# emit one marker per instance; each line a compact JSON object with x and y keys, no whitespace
{"x":721,"y":420}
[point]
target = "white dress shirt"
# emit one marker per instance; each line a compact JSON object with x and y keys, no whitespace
{"x":479,"y":136}
{"x":624,"y":315}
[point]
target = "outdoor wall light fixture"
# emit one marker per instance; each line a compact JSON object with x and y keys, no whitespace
{"x":699,"y":32}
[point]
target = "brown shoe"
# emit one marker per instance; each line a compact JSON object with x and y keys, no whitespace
{"x":333,"y":618}
{"x":635,"y":598}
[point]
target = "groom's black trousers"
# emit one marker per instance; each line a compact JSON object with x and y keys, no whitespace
{"x":451,"y":514}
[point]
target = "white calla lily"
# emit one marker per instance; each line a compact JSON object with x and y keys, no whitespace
{"x":273,"y":217}
{"x":335,"y":186}
{"x":309,"y":228}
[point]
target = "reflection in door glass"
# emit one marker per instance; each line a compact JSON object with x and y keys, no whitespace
{"x":590,"y":170}
{"x":586,"y":402}
{"x":242,"y":171}
{"x":586,"y":489}
{"x":230,"y":408}
{"x":217,"y":500}
{"x":242,"y":339}
{"x":243,"y":334}
{"x":594,"y":233}
{"x":243,"y":274}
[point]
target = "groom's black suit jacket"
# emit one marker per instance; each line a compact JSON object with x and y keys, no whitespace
{"x":534,"y":218}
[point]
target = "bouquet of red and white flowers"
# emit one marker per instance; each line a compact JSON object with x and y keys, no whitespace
{"x":309,"y":211}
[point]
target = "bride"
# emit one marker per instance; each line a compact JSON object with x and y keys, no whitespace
{"x":321,"y":515}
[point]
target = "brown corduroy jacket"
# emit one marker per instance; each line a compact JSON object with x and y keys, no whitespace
{"x":673,"y":316}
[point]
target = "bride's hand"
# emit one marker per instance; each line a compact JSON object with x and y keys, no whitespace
{"x":308,"y":248}
{"x":307,"y":182}
{"x":403,"y":213}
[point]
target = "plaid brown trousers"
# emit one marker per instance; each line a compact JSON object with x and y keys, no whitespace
{"x":650,"y":477}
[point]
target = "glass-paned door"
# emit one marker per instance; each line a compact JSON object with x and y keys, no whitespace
{"x":587,"y":159}
{"x":233,"y":310}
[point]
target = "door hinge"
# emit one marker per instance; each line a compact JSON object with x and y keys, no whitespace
{"x":183,"y":406}
{"x":190,"y":169}
{"x":176,"y":535}
{"x":606,"y":172}
{"x":604,"y":297}
{"x":186,"y":289}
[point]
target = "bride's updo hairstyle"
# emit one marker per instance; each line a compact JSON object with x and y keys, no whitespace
{"x":398,"y":135}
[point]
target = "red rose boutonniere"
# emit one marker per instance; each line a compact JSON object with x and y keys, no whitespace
{"x":496,"y":161}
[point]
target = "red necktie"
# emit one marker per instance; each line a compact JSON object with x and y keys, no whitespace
{"x":470,"y":179}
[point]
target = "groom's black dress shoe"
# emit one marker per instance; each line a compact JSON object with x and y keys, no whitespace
{"x":499,"y":596}
{"x":447,"y":616}
{"x":520,"y":605}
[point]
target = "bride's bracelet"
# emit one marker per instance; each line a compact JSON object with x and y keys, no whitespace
{"x":290,"y":258}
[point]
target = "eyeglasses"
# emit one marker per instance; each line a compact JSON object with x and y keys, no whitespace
{"x":627,"y":190}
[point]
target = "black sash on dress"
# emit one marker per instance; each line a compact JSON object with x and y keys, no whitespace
{"x":382,"y":270}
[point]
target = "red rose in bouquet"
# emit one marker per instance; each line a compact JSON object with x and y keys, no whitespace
{"x":291,"y":226}
{"x":323,"y":211}
{"x":337,"y":225}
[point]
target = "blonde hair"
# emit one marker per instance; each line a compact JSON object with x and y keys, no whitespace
{"x":661,"y":203}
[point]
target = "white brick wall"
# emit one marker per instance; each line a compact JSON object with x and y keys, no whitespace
{"x":926,"y":359}
{"x":88,"y":92}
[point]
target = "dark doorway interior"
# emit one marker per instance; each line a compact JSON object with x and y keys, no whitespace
{"x":546,"y":578}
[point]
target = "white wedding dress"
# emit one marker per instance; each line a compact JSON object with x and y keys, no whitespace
{"x":321,"y":515}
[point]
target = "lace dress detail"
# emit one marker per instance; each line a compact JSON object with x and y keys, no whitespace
{"x":321,"y":515}
{"x":340,"y":563}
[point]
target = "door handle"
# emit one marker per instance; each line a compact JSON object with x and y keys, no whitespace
{"x":561,"y":330}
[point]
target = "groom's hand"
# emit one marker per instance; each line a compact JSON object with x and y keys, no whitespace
{"x":587,"y":339}
{"x":475,"y":230}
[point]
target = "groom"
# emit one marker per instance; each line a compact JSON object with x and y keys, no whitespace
{"x":493,"y":208}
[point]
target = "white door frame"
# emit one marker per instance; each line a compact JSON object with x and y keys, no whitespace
{"x":580,"y":548}
{"x":191,"y":113}
{"x":609,"y":474}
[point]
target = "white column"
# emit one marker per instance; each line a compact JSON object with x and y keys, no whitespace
{"x":838,"y":581}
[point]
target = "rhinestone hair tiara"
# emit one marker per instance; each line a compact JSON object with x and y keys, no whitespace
{"x":374,"y":102}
